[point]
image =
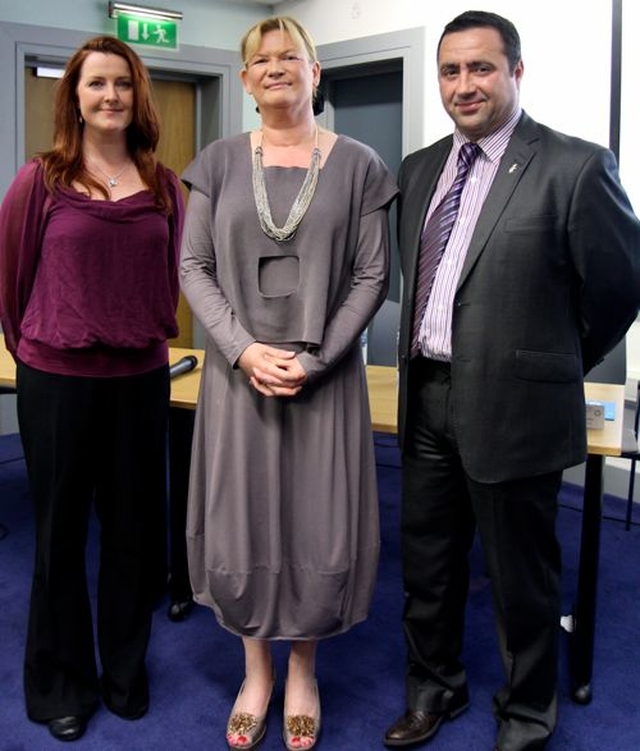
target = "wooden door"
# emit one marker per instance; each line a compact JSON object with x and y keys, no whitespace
{"x":176,"y":102}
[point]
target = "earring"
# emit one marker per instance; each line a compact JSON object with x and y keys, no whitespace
{"x":80,"y":120}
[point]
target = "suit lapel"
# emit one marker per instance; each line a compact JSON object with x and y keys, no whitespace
{"x":520,"y":151}
{"x":421,"y":185}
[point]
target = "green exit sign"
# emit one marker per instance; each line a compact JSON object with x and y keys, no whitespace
{"x":153,"y":33}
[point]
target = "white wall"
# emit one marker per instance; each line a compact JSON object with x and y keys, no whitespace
{"x":566,"y":49}
{"x":567,"y":59}
{"x":629,"y":152}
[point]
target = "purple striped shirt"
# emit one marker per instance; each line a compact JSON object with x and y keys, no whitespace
{"x":435,"y":332}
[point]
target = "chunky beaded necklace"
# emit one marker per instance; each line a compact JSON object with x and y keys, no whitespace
{"x":300,"y":205}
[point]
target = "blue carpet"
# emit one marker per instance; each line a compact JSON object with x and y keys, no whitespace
{"x":195,"y":667}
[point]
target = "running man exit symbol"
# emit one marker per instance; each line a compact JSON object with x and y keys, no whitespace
{"x":150,"y":32}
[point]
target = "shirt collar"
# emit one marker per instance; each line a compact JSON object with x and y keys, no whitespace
{"x":495,"y":144}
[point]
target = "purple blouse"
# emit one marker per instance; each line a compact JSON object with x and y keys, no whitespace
{"x":104,"y":289}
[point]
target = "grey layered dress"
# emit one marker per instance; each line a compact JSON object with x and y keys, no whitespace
{"x":282,"y":527}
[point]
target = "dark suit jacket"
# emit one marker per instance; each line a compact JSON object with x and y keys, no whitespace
{"x":550,"y":284}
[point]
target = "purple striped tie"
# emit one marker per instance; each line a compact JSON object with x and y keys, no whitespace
{"x":435,"y":237}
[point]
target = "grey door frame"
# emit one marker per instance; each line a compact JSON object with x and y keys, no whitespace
{"x":361,"y":58}
{"x":360,"y":54}
{"x":218,"y":101}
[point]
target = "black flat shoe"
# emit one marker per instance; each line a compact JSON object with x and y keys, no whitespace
{"x":179,"y":610}
{"x":131,"y":703}
{"x":134,"y":714}
{"x":67,"y":728}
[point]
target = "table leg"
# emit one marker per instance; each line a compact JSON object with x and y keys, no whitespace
{"x":582,"y":639}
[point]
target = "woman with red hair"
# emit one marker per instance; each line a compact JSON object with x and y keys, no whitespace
{"x":89,"y":238}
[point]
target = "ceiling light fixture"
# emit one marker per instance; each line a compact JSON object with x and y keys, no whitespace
{"x":142,"y":11}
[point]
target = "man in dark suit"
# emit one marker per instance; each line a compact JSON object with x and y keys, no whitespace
{"x":539,"y":279}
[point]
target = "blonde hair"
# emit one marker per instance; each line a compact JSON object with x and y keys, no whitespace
{"x":299,"y":35}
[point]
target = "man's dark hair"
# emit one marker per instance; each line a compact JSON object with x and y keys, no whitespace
{"x":473,"y":19}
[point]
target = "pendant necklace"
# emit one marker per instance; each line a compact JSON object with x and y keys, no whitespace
{"x":111,"y":179}
{"x":300,"y":205}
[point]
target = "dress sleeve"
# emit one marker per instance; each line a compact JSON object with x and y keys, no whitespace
{"x":22,"y":222}
{"x":198,"y":277}
{"x":197,"y":174}
{"x":369,"y":275}
{"x":380,"y":186}
{"x":367,"y":291}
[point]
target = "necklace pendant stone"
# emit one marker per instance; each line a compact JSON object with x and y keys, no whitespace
{"x":113,"y":182}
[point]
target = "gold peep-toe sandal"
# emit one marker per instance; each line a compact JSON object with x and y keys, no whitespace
{"x":300,"y":732}
{"x":245,"y":730}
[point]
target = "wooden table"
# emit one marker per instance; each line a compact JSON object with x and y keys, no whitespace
{"x":381,"y":381}
{"x":7,"y":367}
{"x":383,"y":397}
{"x":383,"y":384}
{"x":383,"y":390}
{"x":185,"y":387}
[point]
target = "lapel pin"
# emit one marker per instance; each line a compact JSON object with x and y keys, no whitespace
{"x":513,"y":168}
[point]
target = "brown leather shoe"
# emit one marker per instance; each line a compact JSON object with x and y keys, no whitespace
{"x":416,"y":726}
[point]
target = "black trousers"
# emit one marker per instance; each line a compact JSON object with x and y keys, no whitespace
{"x":180,"y":436}
{"x":100,"y":441}
{"x":441,"y":509}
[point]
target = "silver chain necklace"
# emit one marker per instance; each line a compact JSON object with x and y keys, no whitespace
{"x":300,"y":205}
{"x":111,"y":179}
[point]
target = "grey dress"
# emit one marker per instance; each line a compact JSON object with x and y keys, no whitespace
{"x":282,"y":527}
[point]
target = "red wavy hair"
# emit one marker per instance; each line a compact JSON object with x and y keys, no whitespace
{"x":64,"y":163}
